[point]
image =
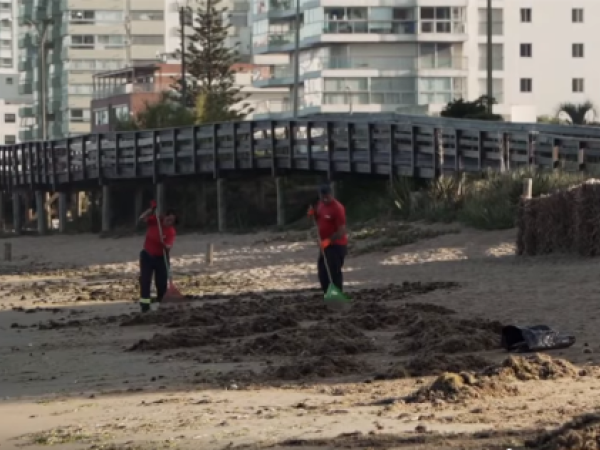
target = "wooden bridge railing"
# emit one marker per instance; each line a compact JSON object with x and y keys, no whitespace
{"x":385,"y":147}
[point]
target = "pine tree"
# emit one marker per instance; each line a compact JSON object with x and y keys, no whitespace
{"x":209,"y":62}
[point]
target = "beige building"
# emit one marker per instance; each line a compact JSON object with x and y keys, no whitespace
{"x":81,"y":37}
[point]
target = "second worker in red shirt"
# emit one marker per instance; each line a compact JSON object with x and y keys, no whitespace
{"x":330,"y":216}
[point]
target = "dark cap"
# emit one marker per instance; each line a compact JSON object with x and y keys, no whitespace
{"x":325,"y":189}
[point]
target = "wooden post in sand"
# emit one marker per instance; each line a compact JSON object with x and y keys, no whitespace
{"x":221,"y":205}
{"x":209,"y":254}
{"x":279,"y":187}
{"x":105,"y":208}
{"x":527,"y":188}
{"x":17,"y":211}
{"x":62,"y":211}
{"x":40,"y":211}
{"x":7,"y":251}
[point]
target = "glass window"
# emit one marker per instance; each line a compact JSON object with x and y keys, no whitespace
{"x":83,"y":16}
{"x":82,"y":40}
{"x":427,"y":13}
{"x":109,"y":39}
{"x":342,"y":84}
{"x":10,"y":139}
{"x":442,"y":13}
{"x":10,"y":118}
{"x":147,"y":15}
{"x":392,"y":84}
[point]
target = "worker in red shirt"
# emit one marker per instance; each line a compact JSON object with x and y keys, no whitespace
{"x":155,"y":255}
{"x":330,"y":216}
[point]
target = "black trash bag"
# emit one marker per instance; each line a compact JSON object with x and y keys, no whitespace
{"x":534,"y":339}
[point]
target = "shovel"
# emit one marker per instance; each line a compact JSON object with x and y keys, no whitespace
{"x":173,"y":294}
{"x":334,"y":295}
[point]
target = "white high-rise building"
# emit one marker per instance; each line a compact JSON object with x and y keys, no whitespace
{"x":10,"y":100}
{"x":416,"y":56}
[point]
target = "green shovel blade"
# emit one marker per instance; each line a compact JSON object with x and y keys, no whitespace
{"x":333,"y":294}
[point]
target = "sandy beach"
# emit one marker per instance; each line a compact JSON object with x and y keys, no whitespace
{"x":261,"y":362}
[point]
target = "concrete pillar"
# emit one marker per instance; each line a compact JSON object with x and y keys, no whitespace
{"x":17,"y":210}
{"x":105,"y":208}
{"x":138,"y":206}
{"x":62,"y":212}
{"x":160,"y":197}
{"x":40,"y":202}
{"x":279,"y":187}
{"x":221,"y":205}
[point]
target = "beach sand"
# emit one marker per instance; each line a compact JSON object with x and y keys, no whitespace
{"x":261,"y":362}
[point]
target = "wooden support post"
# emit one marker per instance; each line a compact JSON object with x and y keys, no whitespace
{"x":138,"y":206}
{"x":527,"y":188}
{"x":221,"y":204}
{"x":2,"y":211}
{"x":40,"y":202}
{"x":106,"y":208}
{"x":62,"y":212}
{"x":17,"y":211}
{"x":160,"y":197}
{"x":334,"y":188}
{"x":279,"y":186}
{"x":209,"y":254}
{"x":7,"y":251}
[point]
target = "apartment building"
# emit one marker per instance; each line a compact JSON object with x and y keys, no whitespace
{"x":369,"y":56}
{"x":78,"y":38}
{"x":10,"y":100}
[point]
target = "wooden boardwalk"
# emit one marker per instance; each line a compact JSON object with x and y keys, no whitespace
{"x":387,"y":145}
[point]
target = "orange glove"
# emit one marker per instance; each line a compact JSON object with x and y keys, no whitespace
{"x":311,"y":212}
{"x":325,"y":243}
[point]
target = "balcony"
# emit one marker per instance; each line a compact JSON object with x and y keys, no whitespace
{"x":124,"y":89}
{"x":282,"y":75}
{"x":281,"y":9}
{"x":25,"y":65}
{"x":26,"y":112}
{"x":273,"y":76}
{"x":26,"y":88}
{"x":25,"y":40}
{"x":277,"y":41}
{"x":27,"y":135}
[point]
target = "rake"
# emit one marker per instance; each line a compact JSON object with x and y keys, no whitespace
{"x":173,"y":294}
{"x":334,"y":294}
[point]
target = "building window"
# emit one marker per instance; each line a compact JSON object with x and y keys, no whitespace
{"x":497,"y":88}
{"x":497,"y":21}
{"x":6,"y":62}
{"x":110,"y":40}
{"x":526,"y":15}
{"x":6,"y":24}
{"x":79,"y":115}
{"x":577,"y":85}
{"x":5,"y":43}
{"x":577,"y":15}
{"x":577,"y":50}
{"x":147,"y":15}
{"x":526,"y":84}
{"x":497,"y":57}
{"x":525,"y":50}
{"x":5,"y":6}
{"x":101,"y":117}
{"x":82,"y":40}
{"x":83,"y":17}
{"x":442,"y":20}
{"x":9,"y":80}
{"x":10,"y":139}
{"x":10,"y":118}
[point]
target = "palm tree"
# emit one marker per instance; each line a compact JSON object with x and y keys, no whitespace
{"x":577,"y":113}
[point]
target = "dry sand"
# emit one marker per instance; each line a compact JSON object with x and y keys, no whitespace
{"x":80,"y":370}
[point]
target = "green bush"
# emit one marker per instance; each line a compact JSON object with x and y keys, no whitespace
{"x":486,"y":201}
